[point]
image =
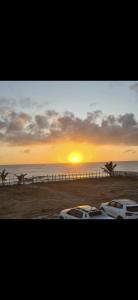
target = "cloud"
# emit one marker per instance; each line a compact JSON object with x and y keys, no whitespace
{"x":93,"y":116}
{"x":51,"y":127}
{"x":130,"y":151}
{"x":41,"y":121}
{"x":51,"y":113}
{"x":42,"y":105}
{"x":127,"y":120}
{"x":92,"y":104}
{"x":68,"y":114}
{"x":26,"y":151}
{"x":29,"y":103}
{"x":134,"y":87}
{"x":2,"y":125}
{"x":17,"y":121}
{"x":25,"y":103}
{"x":7,"y":103}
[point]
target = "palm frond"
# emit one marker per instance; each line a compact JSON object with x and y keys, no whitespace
{"x":109,"y":168}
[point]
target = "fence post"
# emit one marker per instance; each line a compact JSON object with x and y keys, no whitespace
{"x":68,"y":177}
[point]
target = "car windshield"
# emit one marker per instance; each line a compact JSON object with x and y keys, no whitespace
{"x":95,"y":213}
{"x":132,"y":208}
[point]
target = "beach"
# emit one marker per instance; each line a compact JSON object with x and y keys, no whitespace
{"x":48,"y":199}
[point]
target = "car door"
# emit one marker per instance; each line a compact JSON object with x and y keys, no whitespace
{"x":110,"y":209}
{"x":131,"y":212}
{"x":107,"y":207}
{"x":118,"y":210}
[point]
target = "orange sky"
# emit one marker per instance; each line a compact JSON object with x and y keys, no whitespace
{"x":59,"y":153}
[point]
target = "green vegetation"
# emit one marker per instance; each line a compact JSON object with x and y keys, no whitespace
{"x":3,"y":175}
{"x":109,"y":168}
{"x":20,"y":178}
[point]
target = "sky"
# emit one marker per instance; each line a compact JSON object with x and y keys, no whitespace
{"x":46,"y":121}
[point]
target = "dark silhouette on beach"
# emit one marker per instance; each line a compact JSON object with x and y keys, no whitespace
{"x":109,"y":168}
{"x":3,"y":175}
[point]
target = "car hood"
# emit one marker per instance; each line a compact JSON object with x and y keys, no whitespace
{"x":105,"y":203}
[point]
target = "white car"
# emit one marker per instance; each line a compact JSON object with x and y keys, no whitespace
{"x":83,"y":212}
{"x":121,"y":209}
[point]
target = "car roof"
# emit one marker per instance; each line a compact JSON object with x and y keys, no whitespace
{"x":86,"y":208}
{"x":125,"y":201}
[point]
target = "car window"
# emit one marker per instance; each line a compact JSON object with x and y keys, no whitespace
{"x":132,"y":208}
{"x":75,"y":213}
{"x":119,"y":205}
{"x":95,"y":213}
{"x":113,"y":204}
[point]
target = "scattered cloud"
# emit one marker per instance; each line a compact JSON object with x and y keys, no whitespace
{"x":127,"y":120}
{"x":17,"y":122}
{"x":26,"y":151}
{"x":52,"y":113}
{"x":7,"y":101}
{"x":51,"y":127}
{"x":41,"y":121}
{"x":25,"y":103}
{"x":29,"y":103}
{"x":130,"y":151}
{"x":92,"y":104}
{"x":42,"y":105}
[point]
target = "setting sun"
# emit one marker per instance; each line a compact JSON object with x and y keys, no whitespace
{"x":75,"y":157}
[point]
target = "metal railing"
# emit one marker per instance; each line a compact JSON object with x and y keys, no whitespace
{"x":126,"y":173}
{"x":53,"y":178}
{"x":65,"y":177}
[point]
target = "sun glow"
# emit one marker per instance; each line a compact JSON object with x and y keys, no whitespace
{"x":75,"y":157}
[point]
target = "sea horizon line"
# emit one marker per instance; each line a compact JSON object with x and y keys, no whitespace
{"x":67,"y":163}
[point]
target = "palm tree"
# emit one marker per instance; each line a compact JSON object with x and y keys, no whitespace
{"x":20,"y":178}
{"x":3,"y":175}
{"x":109,"y":168}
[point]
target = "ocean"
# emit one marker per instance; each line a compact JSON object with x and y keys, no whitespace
{"x":47,"y":169}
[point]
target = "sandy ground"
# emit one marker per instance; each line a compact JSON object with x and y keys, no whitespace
{"x":48,"y":199}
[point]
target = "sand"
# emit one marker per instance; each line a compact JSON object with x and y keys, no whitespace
{"x":48,"y":199}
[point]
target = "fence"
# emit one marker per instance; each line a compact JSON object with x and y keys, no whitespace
{"x":126,"y":173}
{"x":54,"y":178}
{"x":65,"y":177}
